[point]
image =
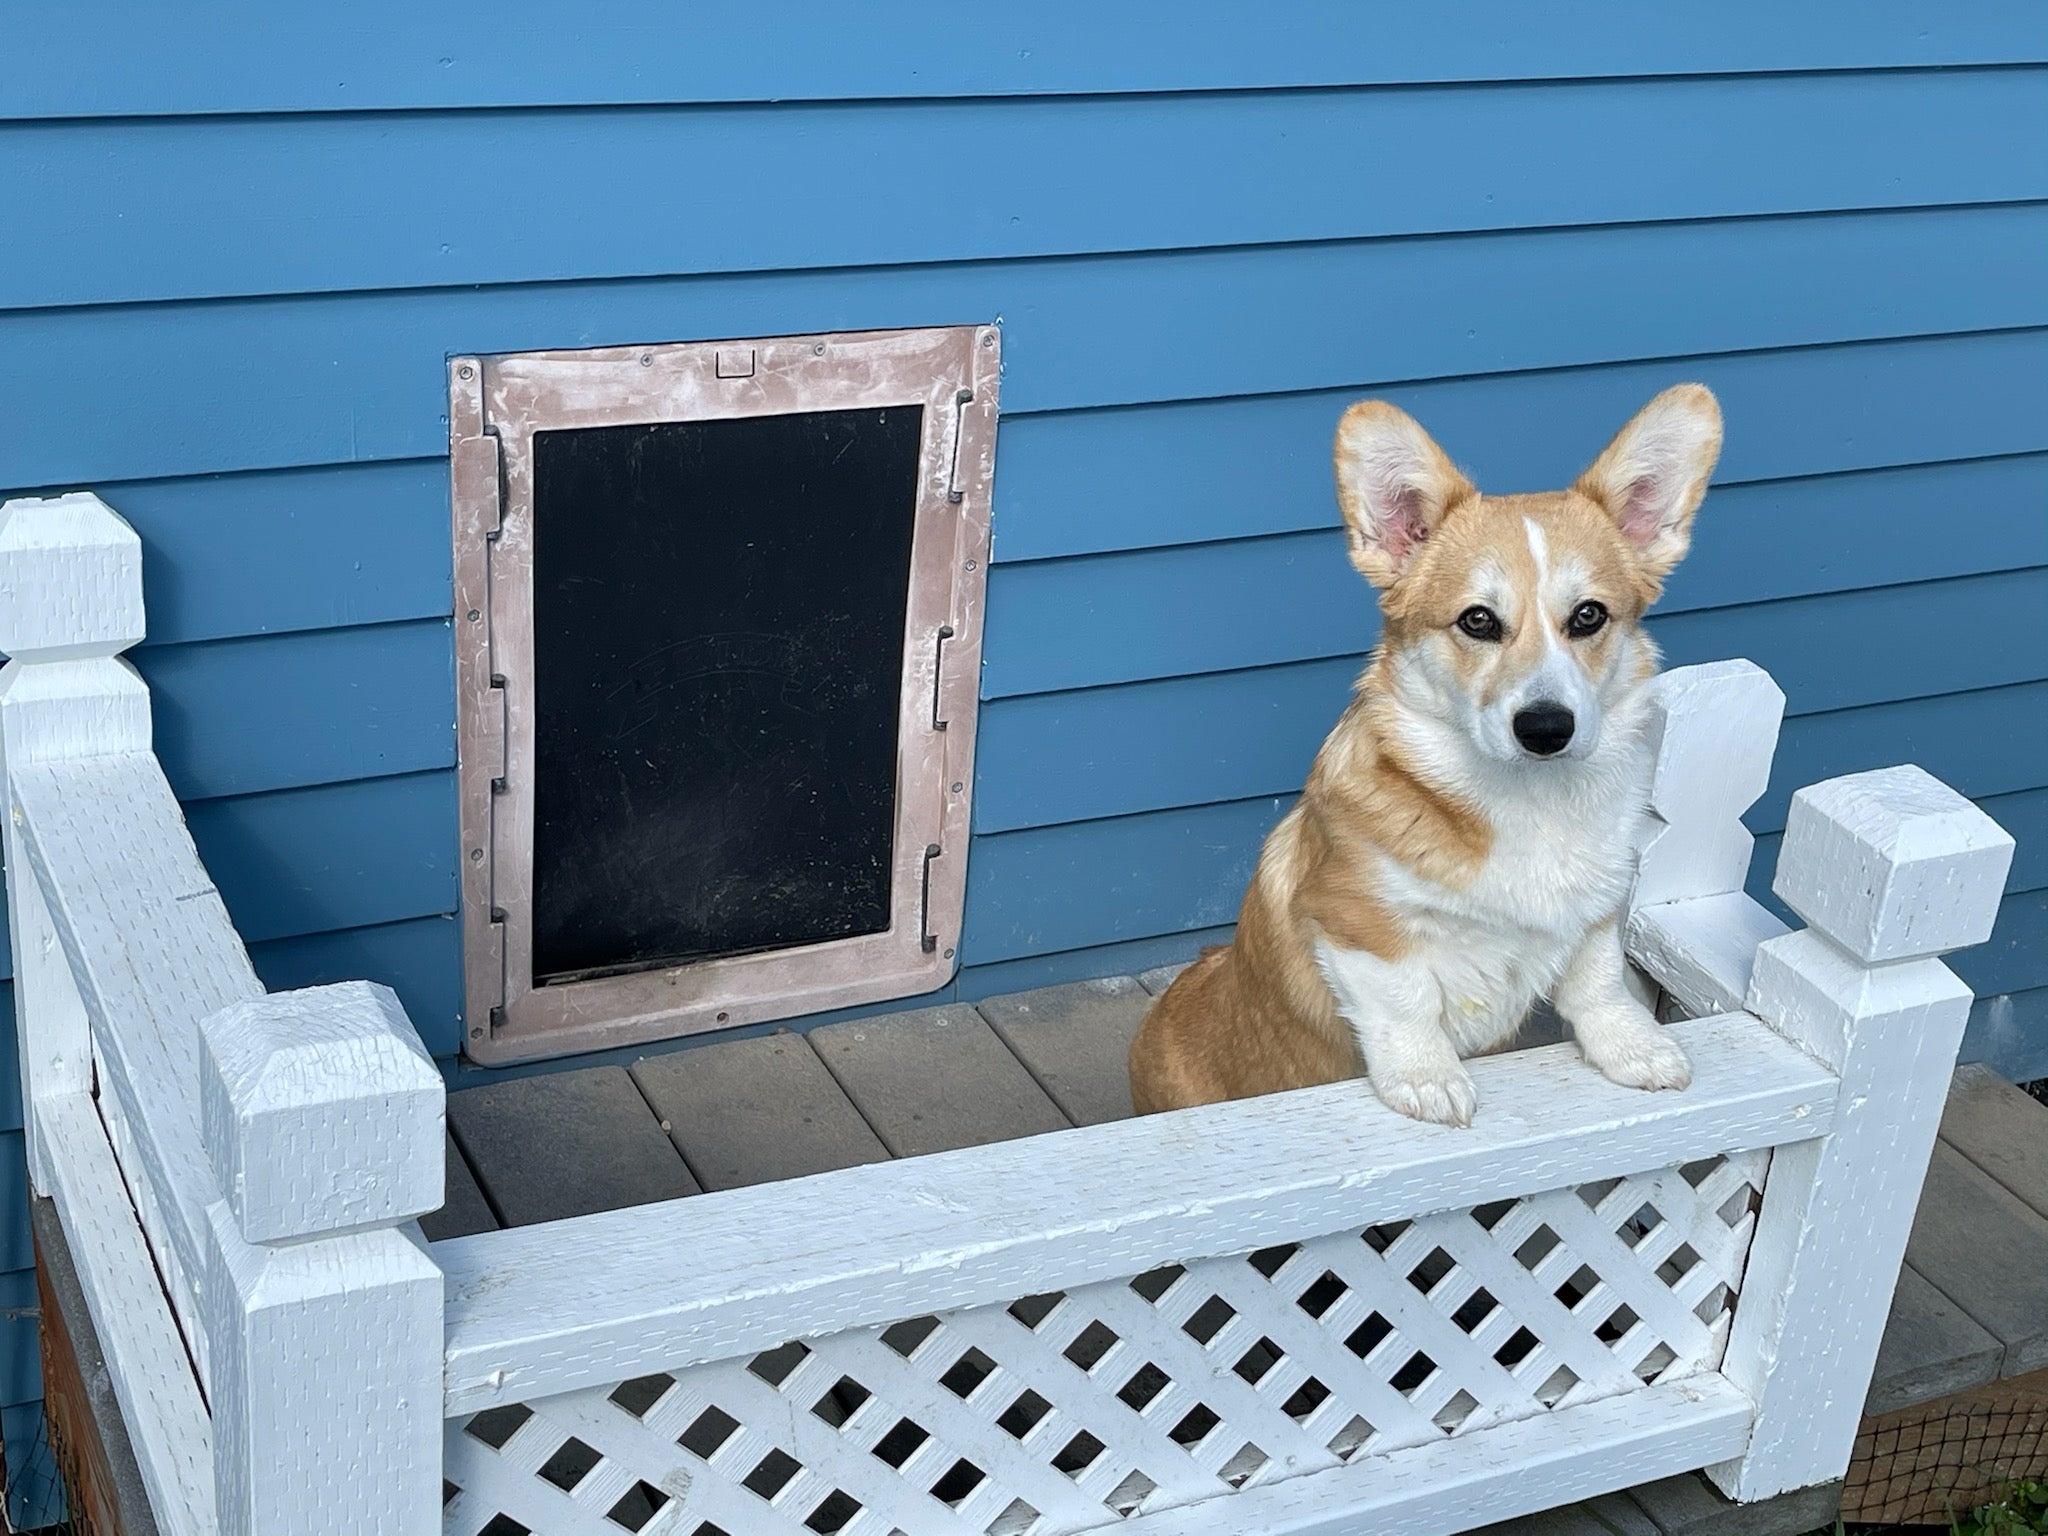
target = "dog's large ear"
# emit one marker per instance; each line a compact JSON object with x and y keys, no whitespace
{"x":1652,"y":476}
{"x":1394,"y":485}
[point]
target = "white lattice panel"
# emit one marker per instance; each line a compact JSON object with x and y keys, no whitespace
{"x":1070,"y":1411}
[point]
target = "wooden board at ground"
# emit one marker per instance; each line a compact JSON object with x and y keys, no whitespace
{"x":1160,"y":977}
{"x":1986,"y":1251}
{"x":752,"y":1111}
{"x":1689,"y":1506}
{"x":567,"y":1144}
{"x":465,"y":1210}
{"x":2002,"y":1130}
{"x":934,"y":1080}
{"x":1931,"y":1348}
{"x":1076,"y":1042}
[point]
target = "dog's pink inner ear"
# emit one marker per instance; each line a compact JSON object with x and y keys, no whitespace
{"x":1643,"y":512}
{"x":1403,"y":527}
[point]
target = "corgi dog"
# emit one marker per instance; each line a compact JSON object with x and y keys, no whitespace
{"x":1466,"y":838}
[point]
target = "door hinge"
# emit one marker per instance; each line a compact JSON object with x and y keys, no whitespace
{"x":477,"y":467}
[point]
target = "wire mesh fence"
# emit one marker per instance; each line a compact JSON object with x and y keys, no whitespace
{"x":1923,"y":1464}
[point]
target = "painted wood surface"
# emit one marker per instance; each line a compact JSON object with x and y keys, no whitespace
{"x":761,"y":1110}
{"x":1243,"y":467}
{"x":105,"y":841}
{"x":1702,"y":949}
{"x":1129,"y":1397}
{"x":399,"y":57}
{"x":1837,"y":1212}
{"x":321,"y":1112}
{"x":712,"y":1276}
{"x":1217,"y":322}
{"x":1931,"y":1345}
{"x":212,"y":748}
{"x":423,"y":958}
{"x":318,"y":1113}
{"x":1892,"y":865}
{"x":322,"y":1116}
{"x":1529,"y":1466}
{"x":366,"y":543}
{"x":167,"y":1421}
{"x":325,"y":1364}
{"x":318,"y":203}
{"x":1214,"y":607}
{"x":1158,"y":476}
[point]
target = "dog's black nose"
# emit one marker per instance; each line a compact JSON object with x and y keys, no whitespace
{"x":1545,"y":727}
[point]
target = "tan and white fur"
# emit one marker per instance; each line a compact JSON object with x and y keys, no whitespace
{"x":1465,"y":841}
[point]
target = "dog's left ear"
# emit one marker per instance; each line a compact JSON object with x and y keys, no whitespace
{"x":1652,"y":477}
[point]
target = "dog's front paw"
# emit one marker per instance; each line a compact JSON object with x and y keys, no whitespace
{"x":1645,"y":1058}
{"x":1442,"y":1096}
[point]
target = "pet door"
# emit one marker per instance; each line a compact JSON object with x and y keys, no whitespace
{"x":718,"y":619}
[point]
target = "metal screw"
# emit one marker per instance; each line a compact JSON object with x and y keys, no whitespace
{"x":646,"y":359}
{"x":474,"y":615}
{"x":723,"y":1017}
{"x":476,"y":855}
{"x":465,"y":371}
{"x":956,"y":786}
{"x":949,"y":954}
{"x":818,"y":350}
{"x":476,"y":1034}
{"x":970,"y":565}
{"x":989,"y":340}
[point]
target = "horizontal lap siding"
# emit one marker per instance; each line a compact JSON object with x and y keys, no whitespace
{"x":202,"y":208}
{"x":256,"y":243}
{"x":337,"y":378}
{"x":71,"y":62}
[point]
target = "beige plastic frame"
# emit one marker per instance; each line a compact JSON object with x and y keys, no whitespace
{"x":496,"y":405}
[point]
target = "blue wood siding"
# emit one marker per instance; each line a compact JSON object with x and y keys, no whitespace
{"x":239,"y":256}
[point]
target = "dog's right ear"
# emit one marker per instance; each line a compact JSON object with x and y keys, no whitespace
{"x":1394,"y":485}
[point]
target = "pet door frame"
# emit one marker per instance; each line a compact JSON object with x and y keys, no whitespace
{"x":496,"y":406}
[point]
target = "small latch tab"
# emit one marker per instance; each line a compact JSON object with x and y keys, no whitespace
{"x":927,"y":940}
{"x":960,"y":404}
{"x":939,"y":673}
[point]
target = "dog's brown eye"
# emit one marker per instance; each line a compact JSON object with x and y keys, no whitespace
{"x":1480,"y":623}
{"x":1587,"y":619}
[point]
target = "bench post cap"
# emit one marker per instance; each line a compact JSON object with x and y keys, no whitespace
{"x":70,"y":579}
{"x":1893,"y":864}
{"x":321,"y":1111}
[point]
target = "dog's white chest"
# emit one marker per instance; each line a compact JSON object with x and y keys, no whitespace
{"x":1494,"y":947}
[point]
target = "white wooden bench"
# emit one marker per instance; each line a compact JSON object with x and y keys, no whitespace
{"x":1327,"y":1316}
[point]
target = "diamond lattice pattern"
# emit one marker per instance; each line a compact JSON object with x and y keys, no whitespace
{"x":1071,"y":1411}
